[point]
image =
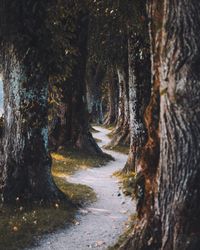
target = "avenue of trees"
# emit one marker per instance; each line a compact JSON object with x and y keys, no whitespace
{"x":130,"y":64}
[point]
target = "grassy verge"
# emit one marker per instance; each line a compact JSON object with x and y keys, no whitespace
{"x":97,"y":140}
{"x":110,"y":135}
{"x":110,"y":127}
{"x":79,"y":194}
{"x":119,"y":148}
{"x":20,"y":225}
{"x":93,"y":130}
{"x":67,"y":162}
{"x":128,"y":182}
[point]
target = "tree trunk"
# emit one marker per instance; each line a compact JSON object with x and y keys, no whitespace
{"x":179,"y":175}
{"x":94,"y":93}
{"x":112,"y":99}
{"x":139,"y":95}
{"x":25,"y":161}
{"x":121,"y":135}
{"x":73,"y":127}
{"x":172,"y":193}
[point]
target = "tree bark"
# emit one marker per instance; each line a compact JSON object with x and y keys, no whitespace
{"x":112,"y":113}
{"x":121,"y":134}
{"x":25,"y":162}
{"x":73,"y":127}
{"x":179,"y":174}
{"x":139,"y":94}
{"x":171,"y":216}
{"x":94,"y":94}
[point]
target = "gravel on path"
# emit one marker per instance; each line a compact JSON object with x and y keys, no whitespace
{"x":100,"y":224}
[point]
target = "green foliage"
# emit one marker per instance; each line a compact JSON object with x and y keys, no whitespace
{"x":110,"y":25}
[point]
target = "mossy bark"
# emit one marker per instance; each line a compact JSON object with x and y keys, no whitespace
{"x":25,"y":171}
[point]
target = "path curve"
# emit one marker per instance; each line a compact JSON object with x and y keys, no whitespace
{"x":100,"y":224}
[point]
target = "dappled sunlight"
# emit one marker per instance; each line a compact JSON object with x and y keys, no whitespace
{"x":58,"y":157}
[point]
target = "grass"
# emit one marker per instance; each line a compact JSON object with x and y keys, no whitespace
{"x":128,"y":182}
{"x":79,"y":194}
{"x":110,"y":135}
{"x":119,"y":148}
{"x":93,"y":130}
{"x":110,"y":127}
{"x":67,"y":162}
{"x":21,"y":225}
{"x":98,"y":140}
{"x":124,"y":149}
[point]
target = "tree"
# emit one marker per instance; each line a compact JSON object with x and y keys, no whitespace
{"x":94,"y":82}
{"x":112,"y":109}
{"x":170,"y":219}
{"x":72,"y":127}
{"x":107,"y":45}
{"x":139,"y":82}
{"x":26,"y":55}
{"x":121,"y":134}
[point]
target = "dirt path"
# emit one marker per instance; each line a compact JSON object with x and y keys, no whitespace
{"x":99,"y":225}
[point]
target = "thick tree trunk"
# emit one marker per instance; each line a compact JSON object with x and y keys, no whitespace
{"x":121,"y":135}
{"x":139,"y":95}
{"x":175,"y":187}
{"x":72,"y":123}
{"x":179,"y":175}
{"x":25,"y":162}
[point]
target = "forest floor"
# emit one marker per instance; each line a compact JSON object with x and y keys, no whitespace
{"x":98,"y":225}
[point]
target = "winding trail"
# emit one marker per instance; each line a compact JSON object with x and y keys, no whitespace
{"x":100,"y":224}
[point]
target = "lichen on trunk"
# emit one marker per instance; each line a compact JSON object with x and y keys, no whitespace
{"x":139,"y":92}
{"x":169,"y":215}
{"x":121,"y":134}
{"x":25,"y":161}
